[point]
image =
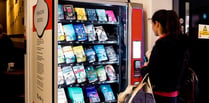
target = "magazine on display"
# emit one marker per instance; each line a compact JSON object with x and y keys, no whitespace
{"x":107,"y":92}
{"x":101,"y":34}
{"x":100,"y":70}
{"x":91,"y":74}
{"x":62,"y":98}
{"x":60,"y":76}
{"x":69,"y":32}
{"x":110,"y":72}
{"x":80,"y":32}
{"x":81,"y":13}
{"x":91,"y":55}
{"x":100,"y":52}
{"x":60,"y":12}
{"x":76,"y":94}
{"x":79,"y":52}
{"x":68,"y":75}
{"x":112,"y":56}
{"x":91,"y":14}
{"x":61,"y":58}
{"x":68,"y":53}
{"x":61,"y":35}
{"x":92,"y":94}
{"x":101,"y":14}
{"x":79,"y":73}
{"x":111,"y":16}
{"x":69,"y":12}
{"x":90,"y":30}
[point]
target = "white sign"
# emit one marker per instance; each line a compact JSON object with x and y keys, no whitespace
{"x":137,"y":49}
{"x":203,"y":31}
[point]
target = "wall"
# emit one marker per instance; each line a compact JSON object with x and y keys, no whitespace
{"x":3,"y":14}
{"x":15,"y":17}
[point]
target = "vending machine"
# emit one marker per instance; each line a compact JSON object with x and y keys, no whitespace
{"x":82,"y":50}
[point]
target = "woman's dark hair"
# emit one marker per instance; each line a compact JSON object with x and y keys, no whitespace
{"x":168,"y":20}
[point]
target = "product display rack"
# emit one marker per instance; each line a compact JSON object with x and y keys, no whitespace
{"x":116,"y":32}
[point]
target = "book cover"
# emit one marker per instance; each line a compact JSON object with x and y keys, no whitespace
{"x":101,"y":34}
{"x":79,"y":73}
{"x":81,"y":13}
{"x":110,"y":72}
{"x":60,"y":76}
{"x":92,"y":94}
{"x":111,"y":54}
{"x":80,"y":32}
{"x":91,"y":14}
{"x":100,"y":70}
{"x":68,"y":75}
{"x":79,"y":53}
{"x":69,"y":32}
{"x":101,"y":14}
{"x":91,"y":74}
{"x":68,"y":53}
{"x":100,"y":52}
{"x":91,"y":55}
{"x":111,"y":15}
{"x":76,"y":94}
{"x":90,"y":30}
{"x":60,"y":12}
{"x":61,"y":58}
{"x":62,"y":98}
{"x":61,"y":35}
{"x":107,"y":92}
{"x":69,"y":12}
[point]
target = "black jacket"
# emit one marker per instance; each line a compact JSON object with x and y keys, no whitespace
{"x":165,"y":66}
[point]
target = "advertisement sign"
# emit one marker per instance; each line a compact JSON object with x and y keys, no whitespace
{"x":42,"y":53}
{"x":203,"y":31}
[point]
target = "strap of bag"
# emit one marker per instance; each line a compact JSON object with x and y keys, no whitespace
{"x":138,"y":88}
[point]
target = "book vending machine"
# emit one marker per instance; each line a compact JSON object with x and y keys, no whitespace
{"x":80,"y":50}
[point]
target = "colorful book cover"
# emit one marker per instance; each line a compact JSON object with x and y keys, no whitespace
{"x":62,"y":98}
{"x":101,"y":14}
{"x":111,"y":53}
{"x":100,"y":70}
{"x":61,"y":58}
{"x":91,"y":74}
{"x":90,"y":30}
{"x":111,"y":15}
{"x":69,"y":32}
{"x":69,"y":12}
{"x":79,"y":53}
{"x":60,"y":12}
{"x":81,"y":13}
{"x":68,"y":75}
{"x":110,"y":72}
{"x":92,"y":94}
{"x":60,"y":76}
{"x":76,"y":94}
{"x":107,"y":92}
{"x":68,"y":53}
{"x":79,"y":73}
{"x":91,"y":14}
{"x":91,"y":55}
{"x":61,"y":35}
{"x":101,"y":34}
{"x":100,"y":52}
{"x":80,"y":32}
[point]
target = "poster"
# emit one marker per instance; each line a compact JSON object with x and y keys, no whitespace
{"x":203,"y":31}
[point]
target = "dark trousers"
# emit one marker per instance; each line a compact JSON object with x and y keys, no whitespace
{"x":162,"y":99}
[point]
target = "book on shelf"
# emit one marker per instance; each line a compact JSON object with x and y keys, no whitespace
{"x":111,"y":54}
{"x":69,"y":12}
{"x":61,"y":58}
{"x":60,"y":12}
{"x":76,"y":94}
{"x":101,"y":34}
{"x":81,"y":13}
{"x":68,"y":53}
{"x":110,"y":72}
{"x":92,"y":94}
{"x":90,"y":30}
{"x":107,"y":92}
{"x":91,"y":74}
{"x":111,"y":16}
{"x":62,"y":98}
{"x":100,"y":52}
{"x":90,"y":54}
{"x":79,"y":73}
{"x":61,"y":35}
{"x":80,"y":32}
{"x":68,"y":75}
{"x":91,"y":14}
{"x":101,"y":15}
{"x":100,"y":70}
{"x":69,"y":32}
{"x":60,"y":76}
{"x":79,"y":52}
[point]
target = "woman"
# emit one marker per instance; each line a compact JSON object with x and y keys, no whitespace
{"x":165,"y":65}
